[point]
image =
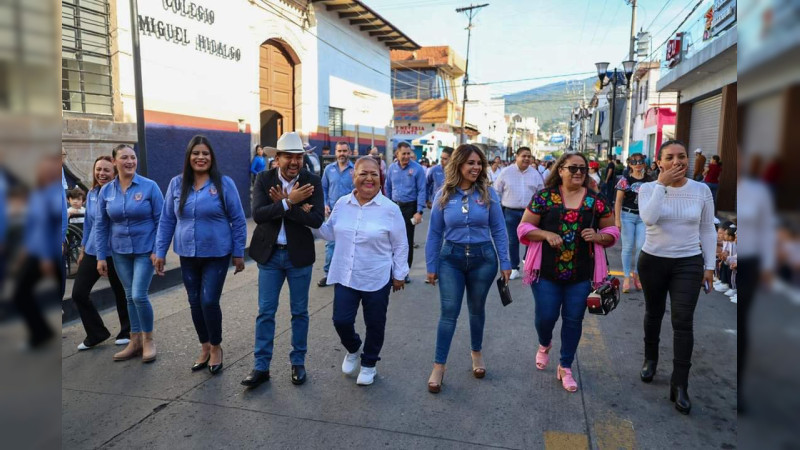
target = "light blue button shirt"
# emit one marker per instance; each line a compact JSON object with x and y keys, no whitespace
{"x":480,"y":223}
{"x":336,"y":183}
{"x":406,"y":184}
{"x":206,"y":228}
{"x":88,"y":244}
{"x":130,"y":219}
{"x":435,"y":181}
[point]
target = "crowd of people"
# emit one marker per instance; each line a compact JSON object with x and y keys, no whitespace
{"x":565,"y":212}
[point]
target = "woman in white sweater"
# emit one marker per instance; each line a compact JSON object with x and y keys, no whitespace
{"x":677,"y":259}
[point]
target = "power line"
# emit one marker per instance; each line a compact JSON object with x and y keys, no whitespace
{"x":658,"y":14}
{"x":677,"y":28}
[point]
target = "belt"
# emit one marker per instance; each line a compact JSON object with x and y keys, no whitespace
{"x":406,"y":203}
{"x":468,"y":247}
{"x":514,"y":209}
{"x":630,"y":210}
{"x":281,"y":247}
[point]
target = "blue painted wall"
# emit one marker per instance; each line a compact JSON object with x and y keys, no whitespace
{"x":166,"y":147}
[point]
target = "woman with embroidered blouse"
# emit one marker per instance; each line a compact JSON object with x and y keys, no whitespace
{"x":560,"y":226}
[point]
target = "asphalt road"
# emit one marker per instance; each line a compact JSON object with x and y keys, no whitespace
{"x":108,"y":404}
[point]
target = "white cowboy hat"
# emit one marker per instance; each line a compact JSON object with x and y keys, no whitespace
{"x":698,"y":150}
{"x":289,"y":142}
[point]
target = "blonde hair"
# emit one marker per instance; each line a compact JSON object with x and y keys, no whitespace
{"x":453,"y":177}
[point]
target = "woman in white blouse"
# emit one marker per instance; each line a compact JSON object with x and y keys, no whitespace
{"x":677,"y":259}
{"x":370,"y":259}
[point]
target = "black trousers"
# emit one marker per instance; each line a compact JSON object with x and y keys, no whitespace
{"x":747,"y":274}
{"x":408,"y":210}
{"x":24,"y":298}
{"x":85,"y":280}
{"x":681,"y":278}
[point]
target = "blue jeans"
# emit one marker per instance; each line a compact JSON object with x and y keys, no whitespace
{"x":463,"y":267}
{"x":513,"y":218}
{"x":135,"y":272}
{"x":633,"y":230}
{"x":329,"y":246}
{"x":345,"y":309}
{"x":270,"y":281}
{"x":714,"y":188}
{"x":203,"y":279}
{"x":568,"y":300}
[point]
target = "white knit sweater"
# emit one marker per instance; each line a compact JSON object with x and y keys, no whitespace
{"x":680,"y":221}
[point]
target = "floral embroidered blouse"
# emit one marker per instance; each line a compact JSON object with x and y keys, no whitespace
{"x":572,"y":262}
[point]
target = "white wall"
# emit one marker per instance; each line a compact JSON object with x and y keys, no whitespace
{"x":362,"y":90}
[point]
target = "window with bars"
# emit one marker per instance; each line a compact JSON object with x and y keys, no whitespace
{"x":335,"y":121}
{"x":85,"y":57}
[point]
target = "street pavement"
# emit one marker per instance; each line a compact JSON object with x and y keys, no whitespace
{"x":108,"y":404}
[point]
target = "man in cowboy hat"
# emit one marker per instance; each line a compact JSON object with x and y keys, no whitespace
{"x":699,"y":164}
{"x":287,"y":201}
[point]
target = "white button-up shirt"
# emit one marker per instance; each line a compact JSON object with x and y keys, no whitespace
{"x":516,"y":188}
{"x":287,"y":185}
{"x":371,"y":243}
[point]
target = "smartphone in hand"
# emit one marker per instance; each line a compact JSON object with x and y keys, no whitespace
{"x":706,"y":287}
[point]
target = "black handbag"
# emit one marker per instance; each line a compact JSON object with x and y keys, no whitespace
{"x":505,"y":292}
{"x":605,"y":297}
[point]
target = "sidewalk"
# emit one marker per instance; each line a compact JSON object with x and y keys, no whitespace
{"x":164,"y":405}
{"x":103,"y":296}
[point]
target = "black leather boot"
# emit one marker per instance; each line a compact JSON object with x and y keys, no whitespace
{"x":648,"y":370}
{"x":680,"y":396}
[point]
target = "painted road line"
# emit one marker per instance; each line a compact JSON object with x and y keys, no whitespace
{"x":559,"y":440}
{"x":611,"y":432}
{"x":616,"y":273}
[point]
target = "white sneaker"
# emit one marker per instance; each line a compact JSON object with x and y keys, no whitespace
{"x":366,"y":376}
{"x":514,"y":274}
{"x":82,"y":347}
{"x":733,"y":299}
{"x":717,"y":284}
{"x":122,"y":341}
{"x":722,"y":288}
{"x":730,"y":292}
{"x":350,"y":363}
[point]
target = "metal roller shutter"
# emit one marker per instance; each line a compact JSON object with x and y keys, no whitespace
{"x":704,"y":127}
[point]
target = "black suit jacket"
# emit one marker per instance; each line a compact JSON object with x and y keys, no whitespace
{"x":269,"y":216}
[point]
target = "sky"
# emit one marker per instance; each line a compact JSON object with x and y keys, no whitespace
{"x":513,"y":39}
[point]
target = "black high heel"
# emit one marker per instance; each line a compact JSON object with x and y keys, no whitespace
{"x":215,"y":368}
{"x":648,"y":370}
{"x":680,"y":396}
{"x":201,"y":365}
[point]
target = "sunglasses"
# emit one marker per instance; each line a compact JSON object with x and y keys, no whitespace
{"x":464,"y":204}
{"x":637,"y":162}
{"x":574,"y":169}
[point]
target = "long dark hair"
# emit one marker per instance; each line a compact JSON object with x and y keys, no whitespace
{"x":188,"y":174}
{"x":554,"y":179}
{"x":453,"y":177}
{"x":666,"y":144}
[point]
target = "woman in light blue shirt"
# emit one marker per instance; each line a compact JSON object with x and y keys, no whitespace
{"x":259,"y":163}
{"x":467,"y":216}
{"x":87,"y":276}
{"x":204,"y":214}
{"x":128,"y":211}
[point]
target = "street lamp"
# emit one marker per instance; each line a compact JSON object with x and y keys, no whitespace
{"x":607,"y":78}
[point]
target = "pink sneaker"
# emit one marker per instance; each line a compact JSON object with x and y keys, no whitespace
{"x":565,"y":375}
{"x":543,"y":356}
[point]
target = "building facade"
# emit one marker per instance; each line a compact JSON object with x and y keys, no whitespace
{"x":239,"y":72}
{"x":654,"y":112}
{"x":425,"y":95}
{"x":701,"y":68}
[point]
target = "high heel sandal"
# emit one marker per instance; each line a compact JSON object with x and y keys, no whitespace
{"x":637,"y":282}
{"x":478,"y":372}
{"x":435,"y":388}
{"x":543,"y":356}
{"x":626,"y":285}
{"x":565,"y":375}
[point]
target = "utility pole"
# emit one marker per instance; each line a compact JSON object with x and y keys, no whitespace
{"x":472,"y":11}
{"x":626,"y":137}
{"x":611,"y":140}
{"x":137,"y":82}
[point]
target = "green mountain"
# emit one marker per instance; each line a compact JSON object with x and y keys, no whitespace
{"x":551,"y":102}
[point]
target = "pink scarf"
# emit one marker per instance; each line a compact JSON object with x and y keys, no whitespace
{"x":533,"y":259}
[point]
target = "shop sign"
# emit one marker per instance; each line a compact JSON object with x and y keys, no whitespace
{"x":164,"y":30}
{"x":724,"y":15}
{"x":416,"y":130}
{"x":708,"y":29}
{"x":675,"y":50}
